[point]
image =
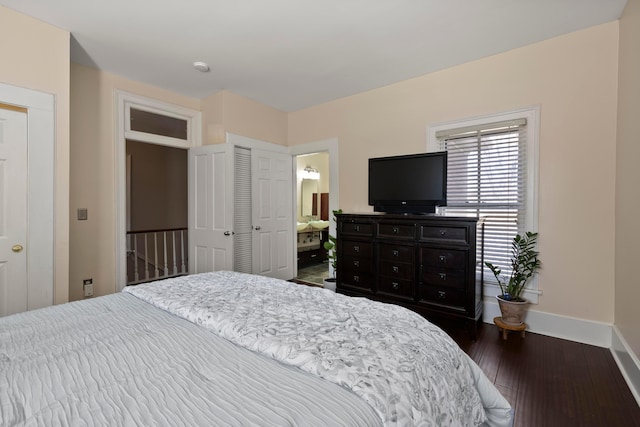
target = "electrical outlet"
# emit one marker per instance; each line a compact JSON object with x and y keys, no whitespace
{"x":87,"y":285}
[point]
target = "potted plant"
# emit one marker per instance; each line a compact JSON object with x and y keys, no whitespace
{"x":524,"y":264}
{"x":331,"y":245}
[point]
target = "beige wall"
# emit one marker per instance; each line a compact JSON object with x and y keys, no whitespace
{"x":35,"y":55}
{"x":573,"y":79}
{"x":228,"y":112}
{"x":92,"y":242}
{"x":627,"y":289}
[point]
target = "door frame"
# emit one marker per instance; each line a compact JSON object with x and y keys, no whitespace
{"x":123,"y":103}
{"x":41,"y":189}
{"x":326,"y":145}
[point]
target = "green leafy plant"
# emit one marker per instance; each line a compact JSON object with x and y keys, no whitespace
{"x":331,"y":246}
{"x":524,"y":264}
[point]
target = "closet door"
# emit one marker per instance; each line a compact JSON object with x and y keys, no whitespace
{"x":211,"y":209}
{"x":272,"y":211}
{"x":242,"y":218}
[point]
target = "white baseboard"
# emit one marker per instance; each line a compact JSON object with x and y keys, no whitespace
{"x":554,"y":325}
{"x":627,"y":362}
{"x":584,"y":331}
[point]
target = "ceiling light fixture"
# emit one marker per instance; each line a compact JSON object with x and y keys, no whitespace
{"x":201,"y":66}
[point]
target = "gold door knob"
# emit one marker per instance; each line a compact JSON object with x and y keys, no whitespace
{"x":17,"y":248}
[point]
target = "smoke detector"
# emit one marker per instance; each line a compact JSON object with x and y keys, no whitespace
{"x":201,"y":66}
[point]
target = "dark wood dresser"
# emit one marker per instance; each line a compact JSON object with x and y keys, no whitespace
{"x":430,"y":264}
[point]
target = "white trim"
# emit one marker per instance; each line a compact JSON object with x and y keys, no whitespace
{"x":246,"y":142}
{"x":583,"y":331}
{"x":558,"y":326}
{"x":627,"y":362}
{"x":123,"y":101}
{"x":330,"y":145}
{"x":41,"y":190}
{"x":532,"y":114}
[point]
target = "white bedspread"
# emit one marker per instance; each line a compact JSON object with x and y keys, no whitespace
{"x":407,"y":369}
{"x":118,"y":361}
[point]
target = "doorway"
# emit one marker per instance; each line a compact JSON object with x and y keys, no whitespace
{"x":312,"y":212}
{"x":145,"y":120}
{"x":157,"y":246}
{"x":314,"y":272}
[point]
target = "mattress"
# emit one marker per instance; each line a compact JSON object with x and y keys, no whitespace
{"x":229,"y":349}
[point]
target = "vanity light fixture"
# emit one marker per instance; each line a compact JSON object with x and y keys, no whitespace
{"x":310,"y":173}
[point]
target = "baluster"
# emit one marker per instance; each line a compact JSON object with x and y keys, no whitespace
{"x":136,"y":274}
{"x":173,"y":239}
{"x":166,"y":261}
{"x":155,"y":254}
{"x":183,"y":267}
{"x":146,"y":261}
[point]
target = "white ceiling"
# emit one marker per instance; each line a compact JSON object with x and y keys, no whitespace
{"x":292,"y":54}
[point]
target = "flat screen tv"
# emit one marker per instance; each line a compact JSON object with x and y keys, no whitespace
{"x":411,"y":184}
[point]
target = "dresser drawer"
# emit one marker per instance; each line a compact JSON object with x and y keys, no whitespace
{"x":356,"y":280}
{"x":353,"y":228}
{"x":444,"y":278}
{"x":397,"y":231}
{"x":396,"y":287}
{"x":444,"y":296}
{"x":392,"y":252}
{"x":356,"y":264}
{"x":443,"y":258}
{"x":356,"y":248}
{"x":397,"y":270}
{"x":447,"y":233}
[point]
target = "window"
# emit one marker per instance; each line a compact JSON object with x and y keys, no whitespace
{"x":158,"y":124}
{"x":491,"y":174}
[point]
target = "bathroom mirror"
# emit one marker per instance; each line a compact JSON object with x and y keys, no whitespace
{"x":309,"y":190}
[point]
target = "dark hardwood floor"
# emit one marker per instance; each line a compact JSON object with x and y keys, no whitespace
{"x":549,"y":381}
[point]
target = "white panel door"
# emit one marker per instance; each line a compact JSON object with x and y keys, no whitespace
{"x":272,"y":214}
{"x":13,"y":211}
{"x":210,"y":209}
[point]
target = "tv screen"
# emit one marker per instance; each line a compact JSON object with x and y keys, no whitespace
{"x":408,"y":184}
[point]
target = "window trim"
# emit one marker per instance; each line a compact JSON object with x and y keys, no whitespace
{"x":532,"y":115}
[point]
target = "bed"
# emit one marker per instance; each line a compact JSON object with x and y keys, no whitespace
{"x":227,"y":348}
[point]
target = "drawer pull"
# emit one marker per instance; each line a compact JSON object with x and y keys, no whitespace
{"x":395,"y":253}
{"x":443,"y":233}
{"x":395,"y":230}
{"x":356,"y":227}
{"x":443,"y":259}
{"x":442,"y":294}
{"x":356,"y":249}
{"x":443,"y":276}
{"x":356,"y":279}
{"x":356,"y":263}
{"x":395,"y":285}
{"x":395,"y":269}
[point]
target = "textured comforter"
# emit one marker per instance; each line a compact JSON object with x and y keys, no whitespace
{"x":408,"y":370}
{"x":118,"y":361}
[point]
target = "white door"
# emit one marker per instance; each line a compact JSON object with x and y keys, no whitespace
{"x":210,"y":209}
{"x":272,"y":214}
{"x":13,"y":210}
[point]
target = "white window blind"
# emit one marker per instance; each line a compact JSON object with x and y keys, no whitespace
{"x":487,"y":177}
